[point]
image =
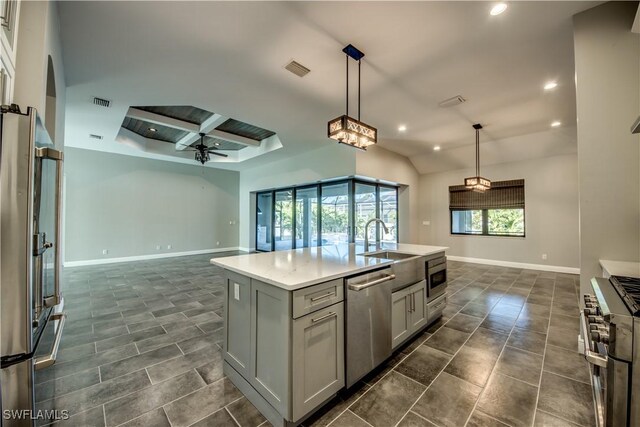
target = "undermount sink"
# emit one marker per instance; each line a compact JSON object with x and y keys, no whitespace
{"x":391,"y":255}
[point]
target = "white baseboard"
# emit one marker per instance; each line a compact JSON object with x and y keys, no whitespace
{"x":246,"y":249}
{"x":145,"y":257}
{"x":554,"y":268}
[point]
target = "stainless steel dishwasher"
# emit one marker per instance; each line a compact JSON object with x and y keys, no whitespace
{"x":368,"y":337}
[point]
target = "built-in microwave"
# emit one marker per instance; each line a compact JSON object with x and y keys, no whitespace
{"x":436,"y":270}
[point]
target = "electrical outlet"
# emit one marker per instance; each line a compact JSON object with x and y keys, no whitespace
{"x":217,"y":243}
{"x":168,"y":246}
{"x":426,"y":222}
{"x":544,"y":256}
{"x":105,"y":251}
{"x":158,"y":247}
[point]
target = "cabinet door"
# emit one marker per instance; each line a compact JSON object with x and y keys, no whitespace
{"x":270,"y":344}
{"x":318,"y":358}
{"x":237,"y":340}
{"x":419,"y":310}
{"x":400,"y":317}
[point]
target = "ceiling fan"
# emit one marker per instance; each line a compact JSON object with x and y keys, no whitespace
{"x":202,"y":150}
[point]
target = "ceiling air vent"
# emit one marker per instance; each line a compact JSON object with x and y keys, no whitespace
{"x":297,"y":69}
{"x":94,"y":136}
{"x":101,"y":102}
{"x":451,"y":102}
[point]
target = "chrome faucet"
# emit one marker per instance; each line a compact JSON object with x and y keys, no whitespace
{"x":366,"y":231}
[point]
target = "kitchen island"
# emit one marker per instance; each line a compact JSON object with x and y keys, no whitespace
{"x":300,"y":325}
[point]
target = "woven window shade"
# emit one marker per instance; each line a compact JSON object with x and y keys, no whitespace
{"x":502,"y":195}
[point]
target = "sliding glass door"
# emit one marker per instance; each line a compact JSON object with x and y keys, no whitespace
{"x":263,"y":221}
{"x":325,"y":214}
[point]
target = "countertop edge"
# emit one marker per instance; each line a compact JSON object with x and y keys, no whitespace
{"x":621,"y":268}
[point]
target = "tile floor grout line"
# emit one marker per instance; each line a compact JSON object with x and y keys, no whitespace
{"x":457,"y":351}
{"x":544,"y":356}
{"x":104,"y":415}
{"x":493,"y":369}
{"x":563,"y":419}
{"x":224,"y":408}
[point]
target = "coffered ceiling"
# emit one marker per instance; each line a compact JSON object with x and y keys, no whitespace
{"x":229,"y":58}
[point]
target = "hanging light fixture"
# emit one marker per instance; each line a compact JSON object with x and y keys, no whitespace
{"x":345,"y":129}
{"x":477,"y":183}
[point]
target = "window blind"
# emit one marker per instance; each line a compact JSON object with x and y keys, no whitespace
{"x":502,"y":195}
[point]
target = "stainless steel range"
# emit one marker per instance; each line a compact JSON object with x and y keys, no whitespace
{"x":610,"y":326}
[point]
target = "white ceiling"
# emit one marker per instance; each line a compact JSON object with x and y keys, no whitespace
{"x":228,"y":57}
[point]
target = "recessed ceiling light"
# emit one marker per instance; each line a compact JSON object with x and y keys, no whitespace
{"x":402,"y":128}
{"x":498,"y":8}
{"x":555,"y":124}
{"x":436,"y":148}
{"x":152,"y":129}
{"x":550,"y":85}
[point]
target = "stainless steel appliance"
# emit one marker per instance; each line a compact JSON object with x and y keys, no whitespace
{"x":368,"y":318}
{"x":436,"y":277}
{"x":610,"y":327}
{"x":30,"y":257}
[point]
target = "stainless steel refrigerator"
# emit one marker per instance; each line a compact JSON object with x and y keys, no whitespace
{"x":30,"y":259}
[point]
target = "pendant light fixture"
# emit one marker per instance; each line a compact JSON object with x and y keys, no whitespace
{"x":477,"y":183}
{"x":345,"y":129}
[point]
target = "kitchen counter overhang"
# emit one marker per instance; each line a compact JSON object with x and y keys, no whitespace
{"x":298,"y":268}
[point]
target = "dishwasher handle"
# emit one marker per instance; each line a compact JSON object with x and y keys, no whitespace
{"x":372,"y":283}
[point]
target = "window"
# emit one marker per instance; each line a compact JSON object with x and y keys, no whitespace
{"x":496,"y":212}
{"x":325,"y":214}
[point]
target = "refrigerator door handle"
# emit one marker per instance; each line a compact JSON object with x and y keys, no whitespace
{"x":48,"y":360}
{"x":58,"y":157}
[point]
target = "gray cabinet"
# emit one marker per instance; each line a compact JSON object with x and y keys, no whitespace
{"x":293,"y":363}
{"x":237,"y":337}
{"x":408,"y":312}
{"x":318,"y":358}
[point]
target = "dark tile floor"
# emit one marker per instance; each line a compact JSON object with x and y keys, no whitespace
{"x":142,"y":348}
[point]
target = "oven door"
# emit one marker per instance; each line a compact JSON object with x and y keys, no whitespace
{"x":436,"y":278}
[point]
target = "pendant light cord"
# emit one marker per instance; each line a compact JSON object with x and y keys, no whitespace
{"x":347,"y":97}
{"x":477,"y":152}
{"x":358,"y":90}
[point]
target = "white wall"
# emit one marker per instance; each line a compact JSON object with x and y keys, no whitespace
{"x":551,"y":213}
{"x":607,"y":58}
{"x":129,"y":205}
{"x":39,"y":38}
{"x":386,"y":165}
{"x":332,"y":160}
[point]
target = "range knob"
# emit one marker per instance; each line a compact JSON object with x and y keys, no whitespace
{"x":595,"y":319}
{"x":604,"y":337}
{"x":591,"y":311}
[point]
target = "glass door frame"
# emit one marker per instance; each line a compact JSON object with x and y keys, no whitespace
{"x":351,"y":185}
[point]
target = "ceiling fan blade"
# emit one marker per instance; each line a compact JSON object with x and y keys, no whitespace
{"x":218,"y":154}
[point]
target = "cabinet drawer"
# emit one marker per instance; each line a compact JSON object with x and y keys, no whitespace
{"x":315,"y":297}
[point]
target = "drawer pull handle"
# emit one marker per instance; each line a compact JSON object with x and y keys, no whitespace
{"x":373,"y":283}
{"x":326,"y":316}
{"x":328,"y":294}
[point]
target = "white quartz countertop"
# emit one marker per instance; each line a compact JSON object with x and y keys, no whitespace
{"x":299,"y":268}
{"x":621,"y":268}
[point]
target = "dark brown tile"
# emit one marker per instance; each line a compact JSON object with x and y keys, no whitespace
{"x":472,"y":365}
{"x":245,"y":413}
{"x":448,"y":401}
{"x":349,"y":419}
{"x":568,"y":363}
{"x":414,"y":420}
{"x":527,"y":340}
{"x":487,"y":340}
{"x":386,"y":402}
{"x":447,"y":339}
{"x":547,"y":420}
{"x":520,"y":364}
{"x":464,"y":323}
{"x":566,"y":398}
{"x":498,"y":323}
{"x":480,"y":419}
{"x":220,"y":418}
{"x":536,"y":310}
{"x":566,"y":322}
{"x":508,"y":400}
{"x":563,"y":337}
{"x":155,"y":418}
{"x":424,"y":364}
{"x":477,"y":309}
{"x":332,"y":409}
{"x":201,"y":403}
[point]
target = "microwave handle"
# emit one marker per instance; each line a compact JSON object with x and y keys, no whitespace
{"x":58,"y":157}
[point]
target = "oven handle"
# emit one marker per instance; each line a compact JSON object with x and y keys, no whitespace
{"x":592,"y":357}
{"x":48,"y":360}
{"x":372,"y":283}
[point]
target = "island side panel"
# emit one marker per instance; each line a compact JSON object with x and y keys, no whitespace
{"x":271,"y":345}
{"x":237,"y":338}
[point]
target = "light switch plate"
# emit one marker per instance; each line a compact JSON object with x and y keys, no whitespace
{"x":236,"y":291}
